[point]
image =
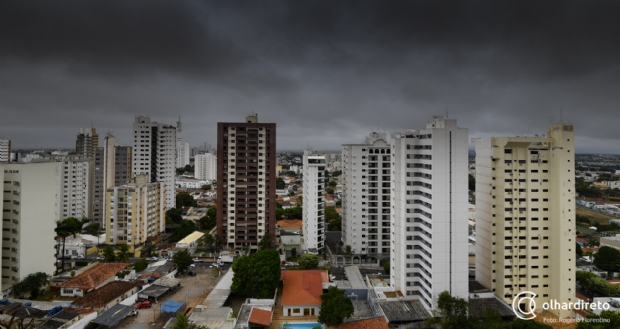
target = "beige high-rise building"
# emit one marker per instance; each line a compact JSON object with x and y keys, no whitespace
{"x":87,"y":142}
{"x":525,"y":216}
{"x":135,"y":212}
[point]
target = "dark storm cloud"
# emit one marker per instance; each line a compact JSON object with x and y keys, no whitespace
{"x":326,"y":72}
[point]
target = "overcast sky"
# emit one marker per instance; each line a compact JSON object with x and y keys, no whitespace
{"x":327,"y":72}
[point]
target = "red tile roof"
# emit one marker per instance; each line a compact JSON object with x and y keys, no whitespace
{"x":102,"y":296}
{"x":302,"y":287}
{"x":372,"y":323}
{"x":290,"y":223}
{"x":262,"y":317}
{"x":94,"y":276}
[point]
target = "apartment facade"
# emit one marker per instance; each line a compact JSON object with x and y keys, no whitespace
{"x":87,"y":142}
{"x":135,"y":212}
{"x":5,"y":150}
{"x":429,"y":251}
{"x":76,"y":189}
{"x":246,"y":182}
{"x":112,"y":168}
{"x":205,"y":166}
{"x":314,"y":201}
{"x":525,"y":216}
{"x":29,"y":214}
{"x":366,"y":201}
{"x":154,"y":153}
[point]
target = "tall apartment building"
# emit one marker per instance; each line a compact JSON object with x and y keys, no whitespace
{"x":76,"y":191}
{"x":525,"y":215}
{"x":87,"y":142}
{"x":205,"y":166}
{"x":112,"y":168}
{"x":314,"y":201}
{"x":154,"y":153}
{"x":183,"y":150}
{"x":430,"y":211}
{"x":5,"y":150}
{"x":366,"y":196}
{"x":246,"y":182}
{"x":135,"y":212}
{"x":29,"y":213}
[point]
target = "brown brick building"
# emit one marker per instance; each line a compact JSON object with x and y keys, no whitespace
{"x":246,"y":182}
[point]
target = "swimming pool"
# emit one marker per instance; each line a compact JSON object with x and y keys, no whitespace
{"x":300,"y":325}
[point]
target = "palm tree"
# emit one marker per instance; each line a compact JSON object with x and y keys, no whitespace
{"x":109,"y":254}
{"x":123,"y":253}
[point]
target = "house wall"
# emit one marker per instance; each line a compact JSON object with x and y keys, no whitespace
{"x":299,"y":310}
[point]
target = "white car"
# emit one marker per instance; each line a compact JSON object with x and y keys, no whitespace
{"x":192,"y":265}
{"x":152,"y":259}
{"x":100,"y":258}
{"x":79,"y":257}
{"x":197,"y":260}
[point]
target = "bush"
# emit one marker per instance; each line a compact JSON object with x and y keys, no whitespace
{"x":81,"y":263}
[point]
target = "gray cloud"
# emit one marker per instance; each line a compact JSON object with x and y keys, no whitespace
{"x":326,"y":72}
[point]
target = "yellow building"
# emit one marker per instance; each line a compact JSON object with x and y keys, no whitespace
{"x":525,"y":216}
{"x":135,"y":212}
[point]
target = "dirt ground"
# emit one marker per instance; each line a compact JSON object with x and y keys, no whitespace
{"x":193,"y":291}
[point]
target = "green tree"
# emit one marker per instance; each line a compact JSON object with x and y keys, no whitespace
{"x":123,"y":253}
{"x":331,"y":213}
{"x":293,"y":212}
{"x":607,"y":259}
{"x":337,"y":173}
{"x":108,"y":253}
{"x":335,"y":307}
{"x":208,"y":221}
{"x":347,"y":252}
{"x":339,"y":203}
{"x":174,"y":215}
{"x":386,"y":267}
{"x":472,"y":182}
{"x":66,"y":228}
{"x":333,"y":183}
{"x":593,"y":242}
{"x":211,"y":242}
{"x":452,"y":312}
{"x":30,"y":286}
{"x":141,"y":265}
{"x":335,"y":224}
{"x":183,"y":323}
{"x":257,"y":275}
{"x":612,"y":316}
{"x":184,"y":199}
{"x":308,"y":261}
{"x":183,"y":260}
{"x":206,"y":186}
{"x":186,"y":228}
{"x":329,"y":190}
{"x":578,"y":250}
{"x":280,"y":184}
{"x":265,"y":242}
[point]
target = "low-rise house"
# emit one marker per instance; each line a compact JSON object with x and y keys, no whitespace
{"x":91,"y":279}
{"x":302,"y":290}
{"x":190,"y":242}
{"x":107,"y":296}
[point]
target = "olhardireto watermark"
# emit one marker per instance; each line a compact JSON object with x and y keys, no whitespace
{"x":524,"y":307}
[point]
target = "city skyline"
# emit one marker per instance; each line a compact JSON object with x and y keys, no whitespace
{"x":326,"y":73}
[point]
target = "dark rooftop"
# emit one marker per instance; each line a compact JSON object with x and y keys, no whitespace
{"x":477,"y":287}
{"x":478,"y":306}
{"x":404,"y":311}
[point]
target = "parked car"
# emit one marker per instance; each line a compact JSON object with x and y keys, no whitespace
{"x":100,"y":258}
{"x":152,"y":259}
{"x":191,"y":273}
{"x":197,"y":260}
{"x":79,"y":257}
{"x":133,"y":313}
{"x":144,"y":304}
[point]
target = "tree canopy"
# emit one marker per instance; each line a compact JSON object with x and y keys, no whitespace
{"x":184,"y":199}
{"x":174,"y":215}
{"x":257,"y":275}
{"x":613,"y":316}
{"x":265,"y":242}
{"x":186,"y":228}
{"x":335,"y":307}
{"x":308,"y":261}
{"x":208,"y":221}
{"x":30,"y":286}
{"x":607,"y":259}
{"x":183,"y":260}
{"x":280,"y":184}
{"x":210,"y":241}
{"x":109,"y":254}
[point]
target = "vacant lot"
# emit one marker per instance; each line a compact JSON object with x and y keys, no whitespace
{"x":594,"y":216}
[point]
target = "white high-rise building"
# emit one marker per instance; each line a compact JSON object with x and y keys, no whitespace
{"x":525,"y":216}
{"x":5,"y":150}
{"x":205,"y":166}
{"x":314,"y":201}
{"x":183,"y":150}
{"x":29,"y":215}
{"x":366,"y":196}
{"x":430,"y":209}
{"x":75,"y":194}
{"x":154,"y":153}
{"x":145,"y":214}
